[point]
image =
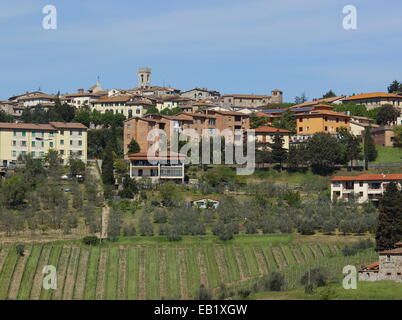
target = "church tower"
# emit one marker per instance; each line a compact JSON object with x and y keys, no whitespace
{"x":144,"y":77}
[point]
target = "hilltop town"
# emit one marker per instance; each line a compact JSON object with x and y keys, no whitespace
{"x":136,"y":193}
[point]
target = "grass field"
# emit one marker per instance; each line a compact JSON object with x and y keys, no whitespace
{"x":130,"y":270}
{"x":381,"y":290}
{"x":389,"y":155}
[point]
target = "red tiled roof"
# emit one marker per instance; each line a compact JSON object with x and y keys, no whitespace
{"x":318,"y":101}
{"x":321,"y":113}
{"x":164,"y":155}
{"x":373,"y":95}
{"x":268,"y":129}
{"x":371,"y":267}
{"x":68,"y":125}
{"x":369,"y":177}
{"x":392,"y":251}
{"x":26,"y":126}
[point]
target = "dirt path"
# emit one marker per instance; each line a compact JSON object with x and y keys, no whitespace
{"x":101,"y":282}
{"x":203,"y":268}
{"x":62,"y":266}
{"x":122,"y":276}
{"x":141,"y":276}
{"x":37,"y":283}
{"x":3,"y":256}
{"x":105,"y":221}
{"x":79,"y":286}
{"x":262,"y":266}
{"x":182,"y":275}
{"x":162,"y":274}
{"x":17,"y":275}
{"x":71,"y":273}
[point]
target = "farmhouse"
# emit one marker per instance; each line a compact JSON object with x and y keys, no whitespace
{"x":389,"y":266}
{"x":366,"y":187}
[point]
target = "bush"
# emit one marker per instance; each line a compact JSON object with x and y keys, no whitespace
{"x":348,"y":251}
{"x":244,"y":293}
{"x":274,"y":282}
{"x":91,"y":241}
{"x":317,"y":277}
{"x":129,"y":230}
{"x":204,"y":293}
{"x":20,"y":249}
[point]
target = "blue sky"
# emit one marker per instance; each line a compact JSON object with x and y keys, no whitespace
{"x":232,"y":46}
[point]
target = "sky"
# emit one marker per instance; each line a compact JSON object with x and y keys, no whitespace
{"x":233,"y":46}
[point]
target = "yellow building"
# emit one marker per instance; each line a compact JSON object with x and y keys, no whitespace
{"x":321,"y":121}
{"x":69,"y":139}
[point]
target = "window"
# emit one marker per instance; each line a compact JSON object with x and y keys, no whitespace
{"x":80,"y":142}
{"x":33,"y":144}
{"x":42,"y":144}
{"x":15,"y":133}
{"x":24,"y":133}
{"x":326,"y":128}
{"x":14,"y":153}
{"x":71,"y":132}
{"x":23,"y":143}
{"x":337,"y":119}
{"x":42,"y":134}
{"x":80,"y":153}
{"x":14,"y":143}
{"x":71,"y":142}
{"x":51,"y":134}
{"x":33,"y":153}
{"x":301,"y":129}
{"x":80,"y":133}
{"x":42,"y":154}
{"x":33,"y":134}
{"x":61,"y":152}
{"x":51,"y":144}
{"x":62,"y":142}
{"x":62,"y":132}
{"x":361,"y":183}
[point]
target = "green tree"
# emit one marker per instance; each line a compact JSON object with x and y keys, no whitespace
{"x":398,"y":136}
{"x":329,"y":94}
{"x":257,"y":121}
{"x":370,"y":151}
{"x":395,"y":86}
{"x":279,"y":154}
{"x":13,"y":190}
{"x":387,"y":115}
{"x":350,"y":145}
{"x":301,"y":99}
{"x":76,"y":166}
{"x":84,"y":117}
{"x":389,"y":229}
{"x":133,"y":147}
{"x":107,"y":165}
{"x":324,"y":152}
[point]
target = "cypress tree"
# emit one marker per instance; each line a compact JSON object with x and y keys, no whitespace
{"x":370,"y":151}
{"x":279,"y":154}
{"x":389,"y":228}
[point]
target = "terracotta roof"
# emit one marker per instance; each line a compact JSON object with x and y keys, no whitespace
{"x":247,"y":96}
{"x":369,"y":177}
{"x":199,"y":115}
{"x":268,"y":129}
{"x":318,"y":101}
{"x":68,"y":125}
{"x":228,"y":113}
{"x":164,"y":155}
{"x":83,"y":94}
{"x":322,"y":113}
{"x":391,"y":251}
{"x":37,"y":96}
{"x":371,"y":267}
{"x":121,"y":98}
{"x":373,"y":95}
{"x":26,"y":126}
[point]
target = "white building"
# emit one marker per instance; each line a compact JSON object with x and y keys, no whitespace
{"x":366,"y":187}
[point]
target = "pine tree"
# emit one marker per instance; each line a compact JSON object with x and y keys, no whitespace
{"x":370,"y":151}
{"x":133,"y":147}
{"x":279,"y":154}
{"x":389,"y":228}
{"x":107,"y":164}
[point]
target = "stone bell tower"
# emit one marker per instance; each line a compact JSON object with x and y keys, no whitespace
{"x":144,"y":77}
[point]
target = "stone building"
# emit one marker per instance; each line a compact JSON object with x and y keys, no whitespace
{"x":252,"y":100}
{"x":388,"y":267}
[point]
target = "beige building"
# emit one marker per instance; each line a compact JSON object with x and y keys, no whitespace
{"x":201,"y":94}
{"x":383,"y":136}
{"x":251,"y":100}
{"x":69,"y":139}
{"x":363,"y":188}
{"x":265,"y":135}
{"x":375,"y":100}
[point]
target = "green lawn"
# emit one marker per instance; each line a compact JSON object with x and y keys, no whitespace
{"x":389,"y":155}
{"x":381,"y":290}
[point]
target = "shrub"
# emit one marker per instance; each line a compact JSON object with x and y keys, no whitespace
{"x":129,"y":230}
{"x":274,"y":282}
{"x":20,"y":249}
{"x":204,"y":293}
{"x":317,"y":277}
{"x":91,"y":240}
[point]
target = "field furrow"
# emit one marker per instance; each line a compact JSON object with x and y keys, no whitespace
{"x":203,"y":267}
{"x":162,"y":273}
{"x":37,"y":282}
{"x":141,"y":275}
{"x":279,"y":258}
{"x":183,"y":271}
{"x":269,"y":258}
{"x":3,"y":256}
{"x":71,"y":274}
{"x":92,"y":274}
{"x":233,"y":266}
{"x":29,"y":273}
{"x":261,"y":262}
{"x":79,"y":287}
{"x":7,"y":272}
{"x":100,"y":293}
{"x":222,"y":266}
{"x":172,"y":272}
{"x":62,"y":272}
{"x":251,"y":261}
{"x":193,"y":271}
{"x":54,"y":260}
{"x":152,"y":274}
{"x":133,"y":273}
{"x":122,"y":276}
{"x":112,"y":274}
{"x":18,"y":274}
{"x":244,"y":272}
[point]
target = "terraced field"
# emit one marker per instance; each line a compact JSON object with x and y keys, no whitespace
{"x":157,"y":271}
